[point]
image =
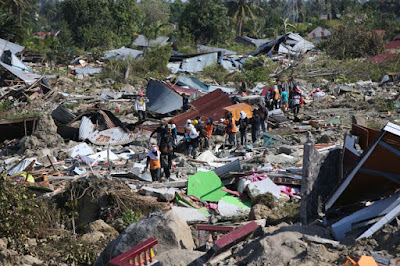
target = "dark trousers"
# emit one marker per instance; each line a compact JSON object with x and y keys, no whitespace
{"x":254,"y":134}
{"x":155,"y":174}
{"x":296,"y":109}
{"x":167,"y":172}
{"x":276,"y":104}
{"x":263,"y":125}
{"x":243,"y":137}
{"x":141,"y":115}
{"x":232,"y":138}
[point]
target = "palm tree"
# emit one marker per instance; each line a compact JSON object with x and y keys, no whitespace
{"x":244,"y":9}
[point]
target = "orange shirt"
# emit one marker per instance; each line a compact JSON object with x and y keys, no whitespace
{"x":155,"y":164}
{"x":208,"y":129}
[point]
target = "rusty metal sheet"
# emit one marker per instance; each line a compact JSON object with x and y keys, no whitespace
{"x":365,"y":134}
{"x":211,"y":104}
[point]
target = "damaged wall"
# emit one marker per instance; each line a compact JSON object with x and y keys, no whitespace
{"x":321,"y":172}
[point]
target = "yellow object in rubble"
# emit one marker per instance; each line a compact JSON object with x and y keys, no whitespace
{"x":29,"y":179}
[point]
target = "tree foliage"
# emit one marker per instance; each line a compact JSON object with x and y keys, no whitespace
{"x":353,"y":40}
{"x":207,"y":20}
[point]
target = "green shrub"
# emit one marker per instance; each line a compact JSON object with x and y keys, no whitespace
{"x":216,"y":72}
{"x":130,"y":217}
{"x":21,"y":214}
{"x":154,"y":65}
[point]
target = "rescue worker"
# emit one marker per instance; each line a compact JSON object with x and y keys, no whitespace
{"x":275,"y":97}
{"x":208,"y":130}
{"x":243,"y":125}
{"x":140,"y":107}
{"x":230,"y":128}
{"x":153,"y":160}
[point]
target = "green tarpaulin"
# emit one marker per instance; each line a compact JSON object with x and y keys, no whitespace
{"x":206,"y":186}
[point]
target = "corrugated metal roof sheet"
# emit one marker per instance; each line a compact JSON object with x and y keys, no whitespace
{"x":224,"y":170}
{"x":27,"y":77}
{"x":393,"y":45}
{"x":122,"y":53}
{"x":380,"y":58}
{"x":162,"y":99}
{"x":112,"y":136}
{"x":319,"y":32}
{"x":198,"y":63}
{"x":211,"y":104}
{"x":141,"y":40}
{"x":183,"y":90}
{"x":62,"y":115}
{"x":209,"y":49}
{"x":13,"y":47}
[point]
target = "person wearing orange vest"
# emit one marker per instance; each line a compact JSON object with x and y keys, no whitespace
{"x":153,"y":159}
{"x":276,"y":97}
{"x":208,"y":130}
{"x":231,"y":128}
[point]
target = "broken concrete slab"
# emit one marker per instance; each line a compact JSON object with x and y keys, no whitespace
{"x":166,"y":194}
{"x":192,"y":215}
{"x":261,"y":187}
{"x":233,"y":207}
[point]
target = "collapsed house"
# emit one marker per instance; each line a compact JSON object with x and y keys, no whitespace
{"x":248,"y":41}
{"x":290,"y":44}
{"x":100,"y":127}
{"x":20,"y":81}
{"x":210,"y":105}
{"x":318,"y":34}
{"x":367,"y":197}
{"x":162,"y":99}
{"x":143,"y":42}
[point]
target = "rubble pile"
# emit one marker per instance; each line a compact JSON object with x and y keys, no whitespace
{"x":189,"y":173}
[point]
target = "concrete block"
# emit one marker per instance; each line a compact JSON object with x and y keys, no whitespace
{"x":259,"y":188}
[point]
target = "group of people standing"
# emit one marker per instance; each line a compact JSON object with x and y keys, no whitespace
{"x":257,"y":125}
{"x":286,"y":96}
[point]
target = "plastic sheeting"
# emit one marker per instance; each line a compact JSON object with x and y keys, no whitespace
{"x":162,"y":99}
{"x":206,"y":186}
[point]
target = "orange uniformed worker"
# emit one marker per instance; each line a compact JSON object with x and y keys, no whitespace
{"x":153,"y":159}
{"x":208,"y":130}
{"x":231,"y":128}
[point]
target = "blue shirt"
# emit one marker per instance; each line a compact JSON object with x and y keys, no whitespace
{"x":284,"y":96}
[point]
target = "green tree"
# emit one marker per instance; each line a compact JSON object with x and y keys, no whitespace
{"x":244,"y":9}
{"x":353,"y":39}
{"x":206,"y":20}
{"x":176,"y":8}
{"x":9,"y":24}
{"x":155,"y":10}
{"x":22,"y":9}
